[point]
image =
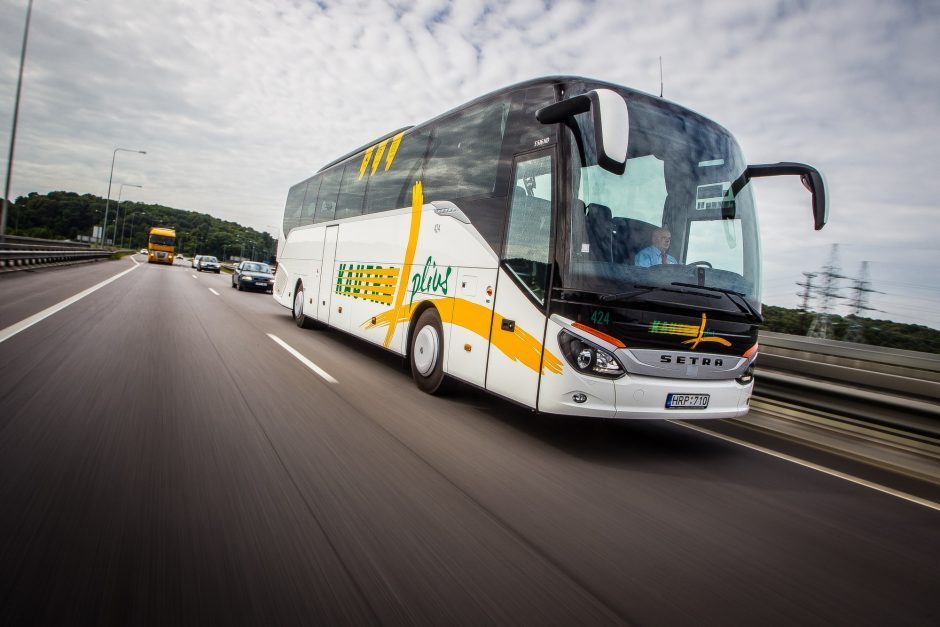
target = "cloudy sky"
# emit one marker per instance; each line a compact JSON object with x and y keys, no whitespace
{"x":234,"y":101}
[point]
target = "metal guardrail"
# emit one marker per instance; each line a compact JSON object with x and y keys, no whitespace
{"x":22,"y":253}
{"x":892,"y":390}
{"x":12,"y":242}
{"x":22,"y":259}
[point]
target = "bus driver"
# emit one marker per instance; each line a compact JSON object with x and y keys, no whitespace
{"x":656,"y":254}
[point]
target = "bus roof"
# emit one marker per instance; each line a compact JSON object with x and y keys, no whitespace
{"x":161,"y":230}
{"x":544,"y":80}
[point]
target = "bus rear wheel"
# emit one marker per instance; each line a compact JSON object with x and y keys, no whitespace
{"x":297,"y":311}
{"x":426,"y":352}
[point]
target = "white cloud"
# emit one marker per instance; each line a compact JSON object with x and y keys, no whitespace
{"x":234,"y":102}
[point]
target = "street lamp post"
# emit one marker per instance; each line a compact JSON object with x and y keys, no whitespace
{"x":107,"y":204}
{"x":133,"y":215}
{"x":16,"y":113}
{"x":117,"y":212}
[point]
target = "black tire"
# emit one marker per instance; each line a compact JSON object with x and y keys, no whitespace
{"x":297,"y":311}
{"x":238,"y":284}
{"x":426,"y":352}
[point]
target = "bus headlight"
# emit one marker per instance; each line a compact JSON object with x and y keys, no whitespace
{"x":589,"y":358}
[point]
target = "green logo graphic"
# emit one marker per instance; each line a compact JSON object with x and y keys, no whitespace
{"x":430,"y":279}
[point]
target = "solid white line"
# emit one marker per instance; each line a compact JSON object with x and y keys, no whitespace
{"x":22,"y":325}
{"x":317,"y":369}
{"x":214,"y":292}
{"x":812,"y":466}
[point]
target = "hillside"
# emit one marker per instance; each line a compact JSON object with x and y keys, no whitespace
{"x":67,"y":215}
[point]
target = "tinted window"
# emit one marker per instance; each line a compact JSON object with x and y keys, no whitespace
{"x":310,"y":201}
{"x":351,"y":192}
{"x":464,"y":155}
{"x":397,"y":170}
{"x":295,"y":198}
{"x":530,"y":225}
{"x":326,"y":199}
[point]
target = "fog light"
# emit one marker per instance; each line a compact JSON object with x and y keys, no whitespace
{"x":579,"y":397}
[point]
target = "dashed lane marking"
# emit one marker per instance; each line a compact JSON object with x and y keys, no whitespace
{"x":214,"y":292}
{"x":317,"y":369}
{"x":22,"y":325}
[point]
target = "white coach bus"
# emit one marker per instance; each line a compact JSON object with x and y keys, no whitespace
{"x":574,"y":246}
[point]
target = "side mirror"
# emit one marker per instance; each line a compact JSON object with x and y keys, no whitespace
{"x":611,"y":124}
{"x":811,"y":177}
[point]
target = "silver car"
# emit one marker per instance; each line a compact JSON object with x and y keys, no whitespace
{"x":208,"y":263}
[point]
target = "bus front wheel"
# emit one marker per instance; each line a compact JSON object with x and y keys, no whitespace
{"x":427,"y":352}
{"x":297,"y":311}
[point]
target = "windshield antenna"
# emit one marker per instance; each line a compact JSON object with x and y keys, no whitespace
{"x":660,"y":76}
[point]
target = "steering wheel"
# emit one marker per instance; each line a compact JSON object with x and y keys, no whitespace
{"x":699,"y":263}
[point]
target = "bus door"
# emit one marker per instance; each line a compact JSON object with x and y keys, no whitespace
{"x":517,"y":332}
{"x":327,"y":273}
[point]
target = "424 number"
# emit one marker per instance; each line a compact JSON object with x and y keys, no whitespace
{"x":600,"y":317}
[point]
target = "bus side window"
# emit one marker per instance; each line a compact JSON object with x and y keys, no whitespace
{"x":326,"y":199}
{"x":528,"y":235}
{"x":310,"y":201}
{"x":464,"y":156}
{"x":351,"y":192}
{"x":295,"y":198}
{"x":391,"y":189}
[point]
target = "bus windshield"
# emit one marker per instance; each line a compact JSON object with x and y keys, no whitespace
{"x":671,"y":222}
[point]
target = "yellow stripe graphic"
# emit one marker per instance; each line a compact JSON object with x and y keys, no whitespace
{"x":701,"y":337}
{"x":378,"y":157}
{"x":393,"y":150}
{"x":365,"y":162}
{"x":519,"y":346}
{"x":417,"y":203}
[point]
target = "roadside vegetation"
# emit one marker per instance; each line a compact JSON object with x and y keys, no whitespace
{"x":67,"y":215}
{"x":912,"y":337}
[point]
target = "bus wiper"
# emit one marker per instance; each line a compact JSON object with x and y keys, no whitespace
{"x":735,"y":297}
{"x":640,"y":289}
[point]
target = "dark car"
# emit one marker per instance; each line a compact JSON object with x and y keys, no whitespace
{"x":253,"y":275}
{"x":208,"y":263}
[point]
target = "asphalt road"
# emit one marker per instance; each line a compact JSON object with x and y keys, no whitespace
{"x":164,"y":461}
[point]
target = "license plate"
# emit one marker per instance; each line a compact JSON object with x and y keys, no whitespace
{"x":687,"y":401}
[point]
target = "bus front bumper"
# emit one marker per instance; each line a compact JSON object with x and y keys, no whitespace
{"x":633,"y":396}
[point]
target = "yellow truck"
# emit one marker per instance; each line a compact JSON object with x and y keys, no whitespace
{"x":161,"y":245}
